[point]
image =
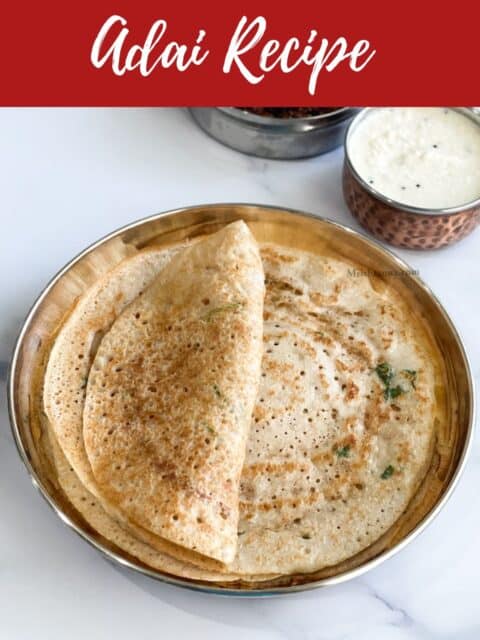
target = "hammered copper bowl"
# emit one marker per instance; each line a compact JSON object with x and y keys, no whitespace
{"x":292,"y":229}
{"x":399,"y":224}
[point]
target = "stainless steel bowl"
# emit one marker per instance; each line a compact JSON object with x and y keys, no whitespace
{"x":277,"y":138}
{"x":292,"y":229}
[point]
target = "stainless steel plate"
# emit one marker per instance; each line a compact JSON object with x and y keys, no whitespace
{"x":290,"y":228}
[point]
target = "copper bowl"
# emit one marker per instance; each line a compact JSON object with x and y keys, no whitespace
{"x":399,"y":224}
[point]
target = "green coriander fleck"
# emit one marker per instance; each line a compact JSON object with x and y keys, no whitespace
{"x":385,"y":372}
{"x":233,"y":306}
{"x":343,"y":452}
{"x":387,"y":472}
{"x":393,"y":392}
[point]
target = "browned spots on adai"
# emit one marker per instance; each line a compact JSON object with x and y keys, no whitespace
{"x":323,"y":380}
{"x":355,"y":348}
{"x":225,"y":511}
{"x":322,"y":300}
{"x":320,"y":336}
{"x":278,"y":468}
{"x":404,"y":453}
{"x":282,"y":371}
{"x":349,"y":422}
{"x":387,"y":342}
{"x":282,"y":285}
{"x":308,"y":498}
{"x":305,"y":346}
{"x":342,"y":367}
{"x":351,"y":391}
{"x":331,"y":494}
{"x":259,"y":413}
{"x":165,"y":467}
{"x":270,"y":255}
{"x":348,"y":441}
{"x":358,"y":349}
{"x":323,"y":457}
{"x":375,"y":414}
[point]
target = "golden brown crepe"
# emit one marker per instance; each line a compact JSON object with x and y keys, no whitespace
{"x":171,"y":392}
{"x":69,"y":365}
{"x":343,"y":422}
{"x":64,"y":392}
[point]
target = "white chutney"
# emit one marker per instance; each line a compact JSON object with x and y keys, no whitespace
{"x":421,"y":157}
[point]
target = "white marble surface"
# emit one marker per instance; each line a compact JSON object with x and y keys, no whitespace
{"x":69,"y":176}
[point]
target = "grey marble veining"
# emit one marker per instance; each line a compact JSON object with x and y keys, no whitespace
{"x":70,"y":176}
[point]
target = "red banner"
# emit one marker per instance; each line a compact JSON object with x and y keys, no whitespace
{"x":251,"y":53}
